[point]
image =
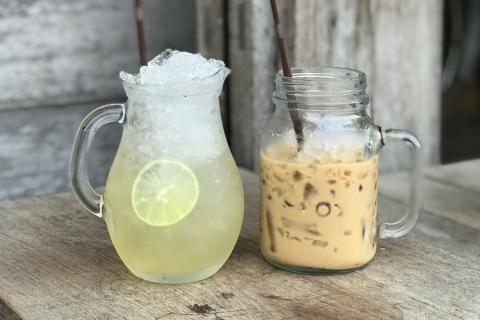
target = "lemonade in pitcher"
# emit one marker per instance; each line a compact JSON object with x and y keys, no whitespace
{"x":173,"y":202}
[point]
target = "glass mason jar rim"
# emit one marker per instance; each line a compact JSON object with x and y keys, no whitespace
{"x":322,"y":88}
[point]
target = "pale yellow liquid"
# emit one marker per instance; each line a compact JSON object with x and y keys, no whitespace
{"x":316,"y":214}
{"x":190,"y":250}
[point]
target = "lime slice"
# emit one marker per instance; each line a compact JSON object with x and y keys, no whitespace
{"x":164,"y":192}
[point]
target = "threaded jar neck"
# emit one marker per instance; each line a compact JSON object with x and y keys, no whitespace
{"x":322,"y":88}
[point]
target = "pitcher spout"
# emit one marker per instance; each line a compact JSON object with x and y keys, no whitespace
{"x":219,"y":79}
{"x":175,"y":73}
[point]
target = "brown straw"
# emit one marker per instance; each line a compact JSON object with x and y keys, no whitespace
{"x":142,"y":50}
{"x":287,"y":72}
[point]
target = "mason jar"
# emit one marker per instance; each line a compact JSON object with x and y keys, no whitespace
{"x":320,"y":153}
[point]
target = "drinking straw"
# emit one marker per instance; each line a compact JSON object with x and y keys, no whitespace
{"x":142,"y":50}
{"x":287,"y":72}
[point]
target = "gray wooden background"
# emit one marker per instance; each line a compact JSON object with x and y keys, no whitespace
{"x":60,"y":59}
{"x":397,"y":43}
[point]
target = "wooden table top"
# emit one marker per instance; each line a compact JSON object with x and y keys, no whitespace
{"x":57,"y":262}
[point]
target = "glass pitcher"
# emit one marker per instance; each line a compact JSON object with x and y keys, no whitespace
{"x":173,"y":202}
{"x":319,"y":169}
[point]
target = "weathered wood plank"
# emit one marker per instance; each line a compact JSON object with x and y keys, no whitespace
{"x":253,"y":62}
{"x":54,"y":54}
{"x":463,"y":175}
{"x":211,"y":24}
{"x":449,"y":236}
{"x":56,"y":262}
{"x":6,"y":313}
{"x":404,"y":82}
{"x":57,"y":52}
{"x":460,"y":205}
{"x":35,"y":149}
{"x":211,"y":40}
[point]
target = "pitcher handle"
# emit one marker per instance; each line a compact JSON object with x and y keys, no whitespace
{"x":407,"y":222}
{"x":80,"y":184}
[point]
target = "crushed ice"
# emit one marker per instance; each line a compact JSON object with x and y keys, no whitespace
{"x":172,"y":66}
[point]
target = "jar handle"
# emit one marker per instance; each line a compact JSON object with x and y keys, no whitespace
{"x":407,"y":222}
{"x":80,"y":184}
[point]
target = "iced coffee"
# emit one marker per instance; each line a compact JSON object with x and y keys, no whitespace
{"x":318,"y":212}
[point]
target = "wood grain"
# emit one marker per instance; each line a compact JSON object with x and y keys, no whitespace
{"x":461,"y":205}
{"x":58,"y":59}
{"x":56,"y":262}
{"x":211,"y":24}
{"x":463,"y":175}
{"x":403,"y":81}
{"x":59,"y":52}
{"x":434,"y":228}
{"x":35,"y":149}
{"x":253,"y":53}
{"x":212,"y":42}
